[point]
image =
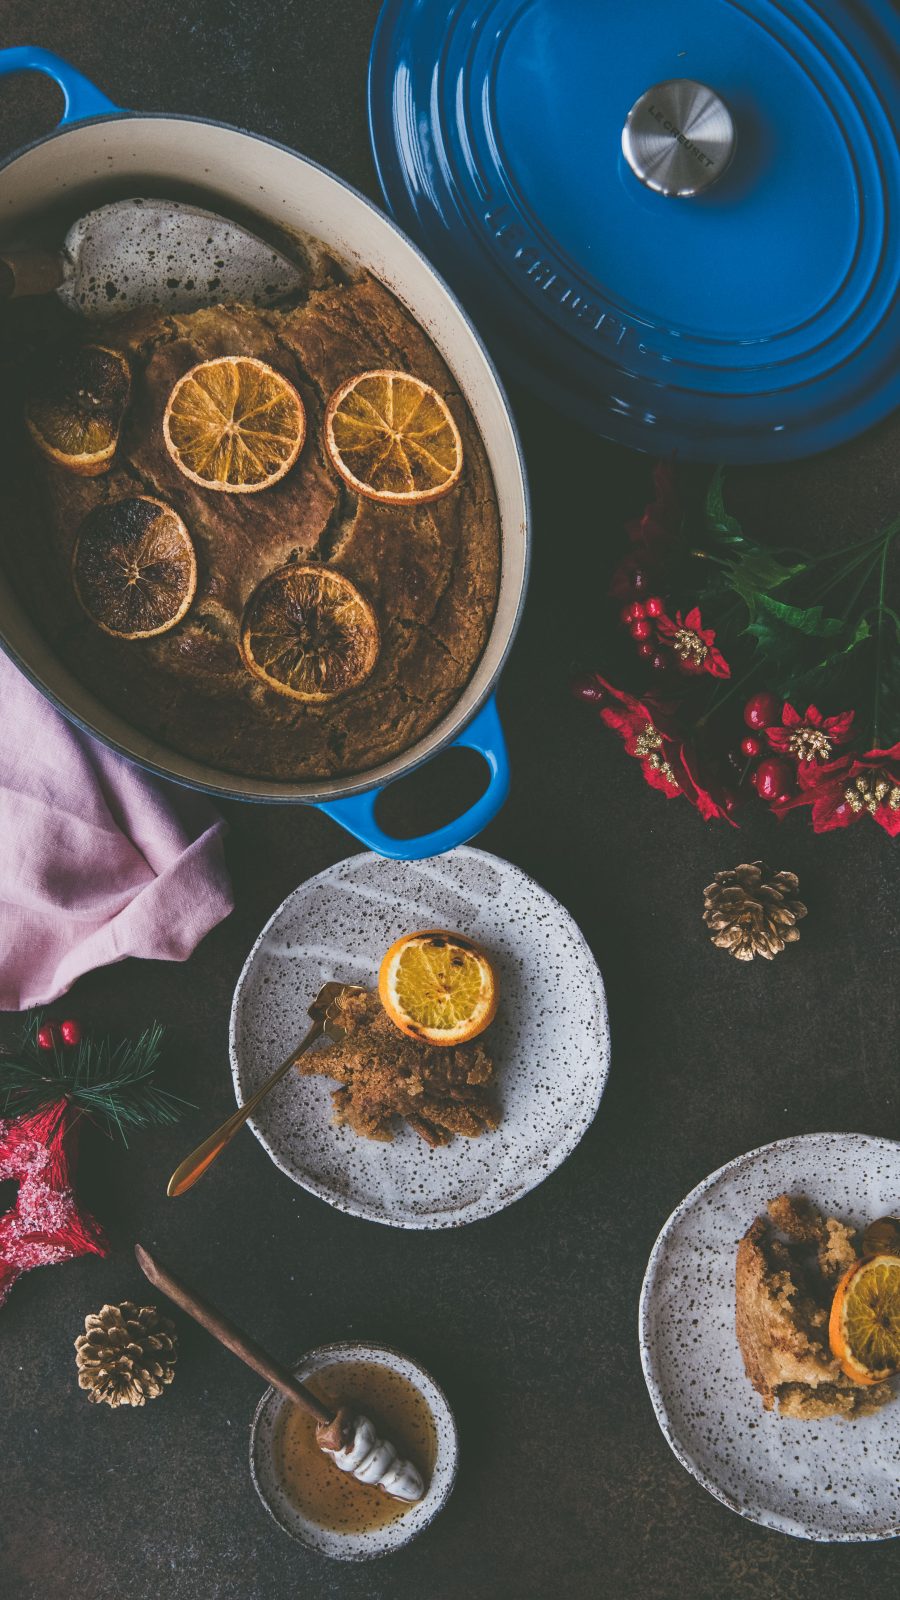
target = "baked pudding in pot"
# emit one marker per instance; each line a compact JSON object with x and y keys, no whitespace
{"x":318,"y":620}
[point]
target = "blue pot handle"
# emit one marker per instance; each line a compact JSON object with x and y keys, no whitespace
{"x":81,"y":97}
{"x":357,"y":813}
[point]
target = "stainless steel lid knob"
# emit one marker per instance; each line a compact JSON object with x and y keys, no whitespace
{"x":679,"y":137}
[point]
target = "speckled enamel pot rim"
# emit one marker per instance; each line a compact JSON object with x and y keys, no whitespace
{"x":382,"y":1541}
{"x":861,"y":1148}
{"x":551,"y":1035}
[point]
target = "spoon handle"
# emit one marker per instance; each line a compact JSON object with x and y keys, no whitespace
{"x":245,"y":1348}
{"x":200,"y":1160}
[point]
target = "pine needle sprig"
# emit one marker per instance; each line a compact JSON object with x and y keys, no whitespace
{"x":113,"y":1084}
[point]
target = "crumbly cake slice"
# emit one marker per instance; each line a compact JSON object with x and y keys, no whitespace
{"x":833,"y":1240}
{"x":783,"y":1290}
{"x":383,"y":1075}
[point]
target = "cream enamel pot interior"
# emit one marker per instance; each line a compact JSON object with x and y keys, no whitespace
{"x":99,"y":152}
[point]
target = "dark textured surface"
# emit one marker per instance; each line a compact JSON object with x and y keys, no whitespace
{"x":529,"y":1319}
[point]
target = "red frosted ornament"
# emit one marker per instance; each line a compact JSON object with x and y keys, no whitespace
{"x":771,"y":778}
{"x":762,"y":710}
{"x":46,"y":1224}
{"x":654,"y":607}
{"x":646,"y":649}
{"x":48,"y":1036}
{"x":751,"y":746}
{"x":641,"y":629}
{"x":70,"y":1031}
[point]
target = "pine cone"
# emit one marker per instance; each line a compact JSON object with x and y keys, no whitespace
{"x":126,"y":1354}
{"x":753,"y":912}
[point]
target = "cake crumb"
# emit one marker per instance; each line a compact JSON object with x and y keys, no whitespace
{"x":440,"y":1090}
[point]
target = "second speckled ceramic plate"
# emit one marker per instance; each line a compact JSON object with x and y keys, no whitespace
{"x":550,"y":1039}
{"x":833,"y":1480}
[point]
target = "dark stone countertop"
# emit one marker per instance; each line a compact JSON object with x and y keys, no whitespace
{"x":532,"y":1314}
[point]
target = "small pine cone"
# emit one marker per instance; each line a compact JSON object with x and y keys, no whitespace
{"x":126,"y":1354}
{"x":753,"y":912}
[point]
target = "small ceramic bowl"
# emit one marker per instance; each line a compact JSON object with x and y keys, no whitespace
{"x":267,"y":1475}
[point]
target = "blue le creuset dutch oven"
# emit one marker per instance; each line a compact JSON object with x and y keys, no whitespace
{"x":98,"y":150}
{"x":679,"y":220}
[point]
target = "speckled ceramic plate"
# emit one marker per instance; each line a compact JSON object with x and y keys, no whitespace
{"x":266,"y":1474}
{"x":550,"y":1039}
{"x":833,"y":1480}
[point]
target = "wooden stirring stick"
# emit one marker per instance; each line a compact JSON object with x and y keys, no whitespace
{"x":350,"y":1440}
{"x":245,"y":1348}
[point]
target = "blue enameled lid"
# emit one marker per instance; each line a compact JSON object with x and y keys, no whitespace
{"x":752,"y":315}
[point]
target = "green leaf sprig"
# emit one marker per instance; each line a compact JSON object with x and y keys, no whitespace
{"x":846,"y":654}
{"x":111,"y":1083}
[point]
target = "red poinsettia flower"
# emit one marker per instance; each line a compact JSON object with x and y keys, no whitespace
{"x":648,"y":731}
{"x":844,"y":791}
{"x":812,"y":737}
{"x":645,"y":729}
{"x":653,"y":538}
{"x":694,"y":645}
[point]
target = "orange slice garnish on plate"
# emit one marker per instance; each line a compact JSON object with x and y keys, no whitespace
{"x":438,"y":987}
{"x":864,"y":1326}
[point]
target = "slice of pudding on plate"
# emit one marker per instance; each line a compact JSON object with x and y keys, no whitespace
{"x":384,"y":1076}
{"x":788,"y":1265}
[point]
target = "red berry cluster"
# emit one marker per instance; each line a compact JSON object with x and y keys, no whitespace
{"x":55,"y":1033}
{"x":638,"y":617}
{"x":773,"y":777}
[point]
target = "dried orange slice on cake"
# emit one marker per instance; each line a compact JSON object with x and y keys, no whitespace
{"x":134,"y":567}
{"x":438,"y":987}
{"x":864,"y":1326}
{"x":234,"y":424}
{"x":76,"y":407}
{"x":393,"y":438}
{"x":309,"y":633}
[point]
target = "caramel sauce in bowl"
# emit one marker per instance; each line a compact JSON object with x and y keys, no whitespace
{"x":329,"y":1510}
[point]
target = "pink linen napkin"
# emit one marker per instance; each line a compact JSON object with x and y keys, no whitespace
{"x":98,"y":860}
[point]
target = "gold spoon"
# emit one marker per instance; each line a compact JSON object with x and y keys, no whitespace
{"x":324,"y":1012}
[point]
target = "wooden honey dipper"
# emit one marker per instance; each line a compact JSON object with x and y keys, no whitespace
{"x":348,"y":1437}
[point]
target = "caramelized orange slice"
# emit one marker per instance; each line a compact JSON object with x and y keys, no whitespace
{"x":76,"y":407}
{"x":308,"y":633}
{"x":234,"y":424}
{"x":438,"y":987}
{"x":392,"y":437}
{"x":864,"y":1326}
{"x":134,"y":567}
